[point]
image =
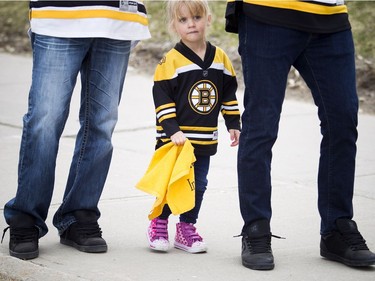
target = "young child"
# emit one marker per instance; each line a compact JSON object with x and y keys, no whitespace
{"x":193,"y":83}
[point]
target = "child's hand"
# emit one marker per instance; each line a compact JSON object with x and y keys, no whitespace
{"x":178,"y":138}
{"x":234,"y":137}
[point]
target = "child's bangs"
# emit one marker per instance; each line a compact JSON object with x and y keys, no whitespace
{"x":196,"y":8}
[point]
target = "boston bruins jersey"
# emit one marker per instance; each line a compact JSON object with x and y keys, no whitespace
{"x":315,"y":16}
{"x":189,"y":95}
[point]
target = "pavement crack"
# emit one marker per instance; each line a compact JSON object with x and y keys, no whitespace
{"x":125,"y":130}
{"x":10,"y":125}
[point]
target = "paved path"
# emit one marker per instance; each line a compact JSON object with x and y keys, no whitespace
{"x":124,"y":208}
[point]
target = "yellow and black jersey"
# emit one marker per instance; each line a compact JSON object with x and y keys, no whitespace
{"x":189,"y":95}
{"x":121,"y":20}
{"x":315,"y":16}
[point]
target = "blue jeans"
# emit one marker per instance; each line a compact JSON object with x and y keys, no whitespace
{"x":102,"y":64}
{"x":201,"y":167}
{"x":326,"y":63}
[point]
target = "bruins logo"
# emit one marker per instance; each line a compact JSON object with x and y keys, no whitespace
{"x":203,"y":97}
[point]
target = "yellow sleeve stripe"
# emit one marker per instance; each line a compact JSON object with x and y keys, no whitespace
{"x":230,"y":103}
{"x":226,"y":112}
{"x":169,"y":116}
{"x":301,"y":6}
{"x":81,"y":14}
{"x":164,"y":106}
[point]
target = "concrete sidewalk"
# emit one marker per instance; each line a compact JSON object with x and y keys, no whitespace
{"x":124,"y":208}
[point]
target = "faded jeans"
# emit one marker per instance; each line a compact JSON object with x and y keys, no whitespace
{"x":102,"y":64}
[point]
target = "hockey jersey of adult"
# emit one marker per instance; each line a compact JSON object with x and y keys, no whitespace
{"x":189,"y":94}
{"x":315,"y":16}
{"x":121,"y":20}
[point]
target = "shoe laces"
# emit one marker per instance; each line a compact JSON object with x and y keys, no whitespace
{"x":159,"y":228}
{"x":22,"y":234}
{"x":261,"y":244}
{"x":355,"y":240}
{"x":4,"y":231}
{"x":88,"y":229}
{"x":190,"y":232}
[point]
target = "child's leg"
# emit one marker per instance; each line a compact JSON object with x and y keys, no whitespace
{"x":165,"y":213}
{"x":201,"y":167}
{"x":187,"y":238}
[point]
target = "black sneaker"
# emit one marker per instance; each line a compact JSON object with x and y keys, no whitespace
{"x":85,"y":234}
{"x":24,"y":237}
{"x":256,"y":246}
{"x":346,"y":245}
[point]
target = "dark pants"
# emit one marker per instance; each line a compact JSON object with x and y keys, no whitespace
{"x":326,"y":63}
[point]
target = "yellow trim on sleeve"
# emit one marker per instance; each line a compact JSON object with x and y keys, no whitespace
{"x":227,"y":112}
{"x":167,"y":105}
{"x":230,"y":103}
{"x":168,"y":116}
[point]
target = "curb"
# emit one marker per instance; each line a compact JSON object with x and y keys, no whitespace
{"x":14,"y":269}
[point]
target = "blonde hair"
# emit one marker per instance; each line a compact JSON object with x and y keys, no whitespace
{"x":195,"y":7}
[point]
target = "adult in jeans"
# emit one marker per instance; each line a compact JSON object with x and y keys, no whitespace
{"x":315,"y":37}
{"x":93,"y":39}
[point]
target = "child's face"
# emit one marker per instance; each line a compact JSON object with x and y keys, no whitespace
{"x":191,"y":28}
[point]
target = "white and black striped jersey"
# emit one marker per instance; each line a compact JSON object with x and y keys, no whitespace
{"x":189,"y":95}
{"x":122,"y":20}
{"x":315,"y":16}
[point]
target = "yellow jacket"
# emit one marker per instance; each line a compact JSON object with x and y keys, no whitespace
{"x":170,"y":177}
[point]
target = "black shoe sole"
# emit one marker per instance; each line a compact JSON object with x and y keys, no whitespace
{"x":265,"y":266}
{"x":24,"y":256}
{"x":83,"y":248}
{"x":353,"y":263}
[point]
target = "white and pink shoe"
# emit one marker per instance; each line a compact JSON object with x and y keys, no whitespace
{"x":188,"y":239}
{"x":157,"y":235}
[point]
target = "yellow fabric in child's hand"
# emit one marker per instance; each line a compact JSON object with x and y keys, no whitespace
{"x":170,"y":178}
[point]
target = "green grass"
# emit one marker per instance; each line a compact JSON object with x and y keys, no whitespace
{"x":362,"y":16}
{"x":13,"y":17}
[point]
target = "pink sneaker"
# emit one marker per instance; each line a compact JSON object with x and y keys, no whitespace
{"x":157,"y":235}
{"x":188,"y":239}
